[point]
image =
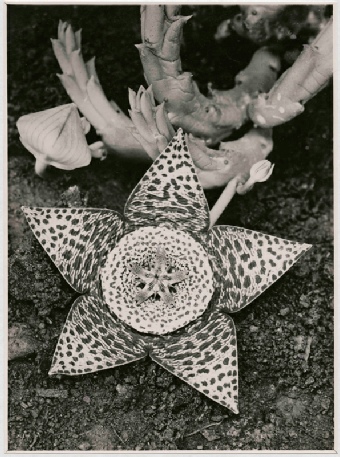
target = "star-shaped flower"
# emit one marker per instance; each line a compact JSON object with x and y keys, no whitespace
{"x":157,"y":281}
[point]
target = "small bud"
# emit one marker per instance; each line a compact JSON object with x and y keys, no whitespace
{"x":98,"y":150}
{"x":261,"y":171}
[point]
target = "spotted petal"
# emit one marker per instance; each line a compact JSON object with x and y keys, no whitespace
{"x":93,"y":339}
{"x":170,"y":192}
{"x":77,"y":240}
{"x":205,"y":358}
{"x":246,"y":263}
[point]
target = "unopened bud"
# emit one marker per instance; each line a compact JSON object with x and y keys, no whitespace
{"x":98,"y":150}
{"x":261,"y":171}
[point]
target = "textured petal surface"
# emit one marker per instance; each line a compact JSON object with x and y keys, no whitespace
{"x":120,"y":284}
{"x":170,"y":192}
{"x":246,"y":263}
{"x":77,"y":240}
{"x":93,"y":339}
{"x":205,"y":358}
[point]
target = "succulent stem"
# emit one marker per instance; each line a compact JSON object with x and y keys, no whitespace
{"x":40,"y":167}
{"x":307,"y":76}
{"x":223,"y":200}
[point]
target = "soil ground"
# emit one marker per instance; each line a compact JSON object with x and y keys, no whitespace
{"x":286,"y":392}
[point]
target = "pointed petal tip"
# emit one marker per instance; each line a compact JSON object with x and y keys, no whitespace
{"x":179,"y":135}
{"x":25,"y":210}
{"x":233,"y":404}
{"x":304,"y":248}
{"x":52,"y":372}
{"x":59,"y":373}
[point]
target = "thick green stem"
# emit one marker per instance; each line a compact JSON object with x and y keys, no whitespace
{"x":212,"y":119}
{"x":223,"y":200}
{"x":307,"y":76}
{"x":81,"y":82}
{"x":235,"y":158}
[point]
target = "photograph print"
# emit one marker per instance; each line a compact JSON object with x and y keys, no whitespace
{"x":170,"y":214}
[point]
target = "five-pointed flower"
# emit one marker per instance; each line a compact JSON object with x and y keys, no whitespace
{"x":157,"y":281}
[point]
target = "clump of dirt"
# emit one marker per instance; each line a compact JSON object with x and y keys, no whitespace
{"x":285,"y":337}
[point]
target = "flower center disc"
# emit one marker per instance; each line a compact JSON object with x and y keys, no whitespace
{"x":157,"y":280}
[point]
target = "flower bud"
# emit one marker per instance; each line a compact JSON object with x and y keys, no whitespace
{"x":98,"y":150}
{"x":261,"y":171}
{"x":55,"y":137}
